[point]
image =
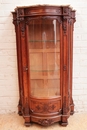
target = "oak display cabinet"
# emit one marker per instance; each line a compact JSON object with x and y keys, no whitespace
{"x":44,"y":39}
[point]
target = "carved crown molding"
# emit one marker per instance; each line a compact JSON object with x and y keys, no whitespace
{"x":63,"y":11}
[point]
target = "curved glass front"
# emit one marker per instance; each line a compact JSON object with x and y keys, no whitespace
{"x":44,"y":58}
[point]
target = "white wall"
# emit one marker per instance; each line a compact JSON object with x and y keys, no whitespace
{"x":8,"y":62}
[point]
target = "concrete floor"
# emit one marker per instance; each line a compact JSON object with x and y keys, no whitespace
{"x":16,"y":122}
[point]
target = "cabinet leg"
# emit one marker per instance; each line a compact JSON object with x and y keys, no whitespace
{"x":27,"y":121}
{"x":27,"y":124}
{"x":64,"y":121}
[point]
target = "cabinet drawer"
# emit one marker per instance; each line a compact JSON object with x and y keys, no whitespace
{"x":45,"y":106}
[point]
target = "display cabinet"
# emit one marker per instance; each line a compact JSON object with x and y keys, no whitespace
{"x":44,"y":39}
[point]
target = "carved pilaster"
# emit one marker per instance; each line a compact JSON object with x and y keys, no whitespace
{"x":66,"y":22}
{"x":23,"y":29}
{"x":64,"y":25}
{"x":64,"y":28}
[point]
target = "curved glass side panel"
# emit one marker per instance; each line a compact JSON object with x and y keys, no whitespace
{"x":44,"y":58}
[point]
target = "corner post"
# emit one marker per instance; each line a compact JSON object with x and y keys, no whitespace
{"x":65,"y":100}
{"x":23,"y":34}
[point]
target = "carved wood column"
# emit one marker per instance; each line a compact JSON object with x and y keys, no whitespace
{"x":25,"y":73}
{"x":24,"y":66}
{"x":19,"y":61}
{"x":71,"y":59}
{"x":65,"y":67}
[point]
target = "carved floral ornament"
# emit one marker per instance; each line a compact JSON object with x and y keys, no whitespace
{"x":45,"y":107}
{"x":61,"y":11}
{"x":20,"y":12}
{"x":65,"y":10}
{"x":64,"y":29}
{"x":45,"y":122}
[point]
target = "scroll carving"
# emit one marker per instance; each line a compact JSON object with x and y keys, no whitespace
{"x":45,"y":122}
{"x":23,"y":29}
{"x":46,"y":107}
{"x":20,"y":12}
{"x":20,"y":15}
{"x":64,"y":28}
{"x":65,"y":10}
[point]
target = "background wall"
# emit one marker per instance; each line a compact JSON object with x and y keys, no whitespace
{"x":8,"y":61}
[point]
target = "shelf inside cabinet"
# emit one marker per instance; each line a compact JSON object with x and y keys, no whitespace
{"x":54,"y":41}
{"x":44,"y":70}
{"x":44,"y":50}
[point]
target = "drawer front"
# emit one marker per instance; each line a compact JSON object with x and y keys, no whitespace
{"x":44,"y":107}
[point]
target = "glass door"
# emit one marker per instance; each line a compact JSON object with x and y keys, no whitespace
{"x":44,"y":58}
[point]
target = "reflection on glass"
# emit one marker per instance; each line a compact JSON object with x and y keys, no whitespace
{"x":44,"y":56}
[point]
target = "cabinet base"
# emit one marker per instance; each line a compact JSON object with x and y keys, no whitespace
{"x":46,"y":121}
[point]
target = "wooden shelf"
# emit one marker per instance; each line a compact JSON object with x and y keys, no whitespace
{"x":45,"y":70}
{"x":44,"y":50}
{"x":44,"y":41}
{"x":45,"y":77}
